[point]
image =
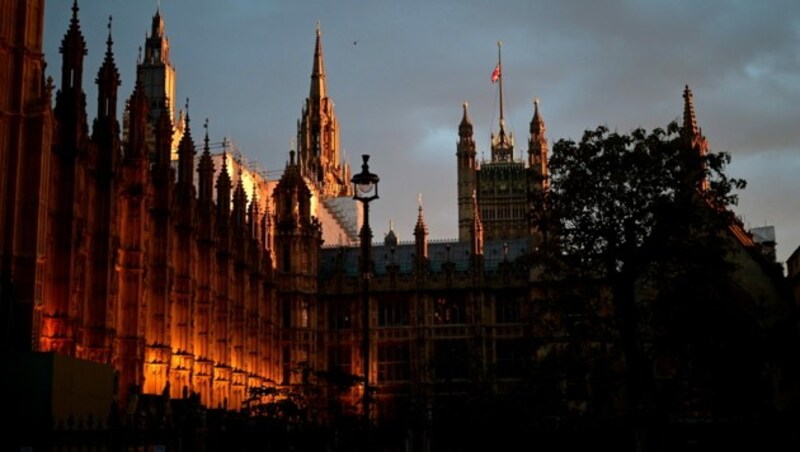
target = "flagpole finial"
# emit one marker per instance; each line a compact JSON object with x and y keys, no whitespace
{"x":499,"y":43}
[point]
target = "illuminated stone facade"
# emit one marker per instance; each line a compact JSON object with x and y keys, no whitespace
{"x":155,"y":257}
{"x":26,"y":136}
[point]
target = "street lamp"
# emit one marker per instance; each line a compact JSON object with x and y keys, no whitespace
{"x":365,"y":189}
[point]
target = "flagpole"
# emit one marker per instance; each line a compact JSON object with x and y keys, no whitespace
{"x":500,"y":79}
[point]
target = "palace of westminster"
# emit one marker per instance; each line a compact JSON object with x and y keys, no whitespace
{"x":134,"y":244}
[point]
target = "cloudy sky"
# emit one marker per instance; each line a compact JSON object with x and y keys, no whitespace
{"x":398,"y":73}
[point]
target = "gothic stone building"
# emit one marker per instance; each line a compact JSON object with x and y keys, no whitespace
{"x":131,"y":250}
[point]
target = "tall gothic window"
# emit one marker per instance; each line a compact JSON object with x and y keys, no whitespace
{"x":450,"y":309}
{"x":506,"y":307}
{"x":509,"y":354}
{"x":393,"y":311}
{"x":286,"y":365}
{"x":394,"y":361}
{"x":340,"y":358}
{"x":304,"y":314}
{"x":340,"y":316}
{"x":451,"y":359}
{"x":286,"y":313}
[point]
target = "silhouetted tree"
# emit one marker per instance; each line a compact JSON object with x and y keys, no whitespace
{"x":624,"y":209}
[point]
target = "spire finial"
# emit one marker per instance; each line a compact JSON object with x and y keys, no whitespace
{"x":205,"y":126}
{"x":225,"y":154}
{"x":318,"y":71}
{"x":537,"y":124}
{"x":420,"y":227}
{"x":75,"y":11}
{"x":187,"y":112}
{"x":109,"y":41}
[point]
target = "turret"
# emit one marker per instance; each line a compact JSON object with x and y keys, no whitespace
{"x":298,"y":234}
{"x":239,"y":217}
{"x":537,"y":143}
{"x":421,"y":239}
{"x":106,"y":127}
{"x":223,"y":192}
{"x":73,"y":49}
{"x":467,"y":174}
{"x":254,"y":217}
{"x":695,"y":143}
{"x":108,"y":82}
{"x":390,"y":240}
{"x":186,"y":160}
{"x":70,"y":110}
{"x":205,"y":172}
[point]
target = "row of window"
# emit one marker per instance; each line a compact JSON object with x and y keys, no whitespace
{"x":452,"y":359}
{"x":502,"y":213}
{"x":447,"y":310}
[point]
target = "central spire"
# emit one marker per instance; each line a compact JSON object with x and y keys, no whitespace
{"x":318,"y":73}
{"x":318,"y":152}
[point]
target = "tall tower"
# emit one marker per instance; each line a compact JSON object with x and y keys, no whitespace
{"x":26,"y":126}
{"x":537,"y":171}
{"x":506,"y":190}
{"x":318,"y":135}
{"x":502,"y":188}
{"x":158,"y":79}
{"x":156,"y":71}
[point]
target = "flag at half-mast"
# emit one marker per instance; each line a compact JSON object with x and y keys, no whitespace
{"x":496,"y":73}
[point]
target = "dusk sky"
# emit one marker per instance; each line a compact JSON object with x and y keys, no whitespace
{"x":398,"y":73}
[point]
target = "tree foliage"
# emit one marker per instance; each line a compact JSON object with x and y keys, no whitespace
{"x":648,"y":214}
{"x":609,"y":194}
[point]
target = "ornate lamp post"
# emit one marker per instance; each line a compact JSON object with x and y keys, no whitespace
{"x":365,"y":189}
